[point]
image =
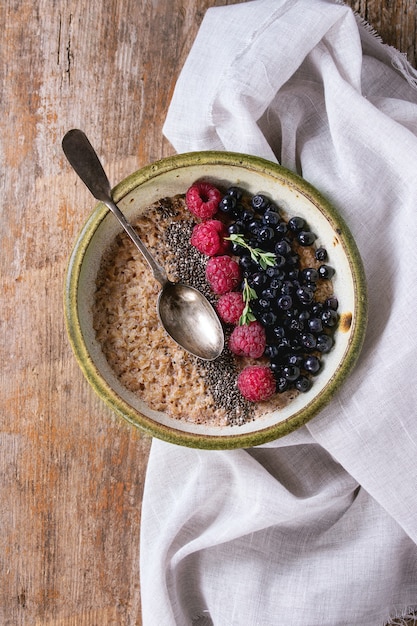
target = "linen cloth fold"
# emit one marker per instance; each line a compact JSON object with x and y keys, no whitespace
{"x":318,"y":527}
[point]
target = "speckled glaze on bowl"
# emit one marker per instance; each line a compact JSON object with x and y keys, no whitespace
{"x":172,"y":176}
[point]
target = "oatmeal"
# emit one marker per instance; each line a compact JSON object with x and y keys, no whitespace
{"x":150,"y":364}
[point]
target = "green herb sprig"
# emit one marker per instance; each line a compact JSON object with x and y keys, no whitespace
{"x":248,"y":294}
{"x":264,"y":259}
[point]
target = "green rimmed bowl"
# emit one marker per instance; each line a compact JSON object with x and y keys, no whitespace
{"x":172,"y":176}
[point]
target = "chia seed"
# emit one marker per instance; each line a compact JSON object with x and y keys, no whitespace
{"x":220,"y":375}
{"x":168,"y":207}
{"x":189,"y":263}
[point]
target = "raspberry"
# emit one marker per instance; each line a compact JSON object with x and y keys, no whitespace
{"x":209,"y":237}
{"x":230,"y":307}
{"x":256,"y":383}
{"x":202,"y":199}
{"x":248,"y":340}
{"x":223,"y":274}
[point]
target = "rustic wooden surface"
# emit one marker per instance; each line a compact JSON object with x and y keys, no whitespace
{"x":71,"y":473}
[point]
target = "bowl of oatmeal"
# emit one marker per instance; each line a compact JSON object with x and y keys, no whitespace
{"x":273,"y":256}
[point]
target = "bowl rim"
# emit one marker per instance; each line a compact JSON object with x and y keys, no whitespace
{"x":168,"y":433}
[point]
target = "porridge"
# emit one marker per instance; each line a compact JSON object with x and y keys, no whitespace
{"x":282,"y":295}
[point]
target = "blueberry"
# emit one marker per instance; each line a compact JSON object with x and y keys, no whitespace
{"x":268,"y":318}
{"x":295,"y":343}
{"x":247,"y":263}
{"x":303,"y":384}
{"x":321,"y":254}
{"x":295,"y":324}
{"x":237,"y":249}
{"x":317,"y":309}
{"x":312,"y":364}
{"x":315,"y":325}
{"x":298,"y":328}
{"x":228,"y":205}
{"x":258,"y":279}
{"x":279,"y":332}
{"x":325,"y":271}
{"x":235,"y":192}
{"x":263,"y":304}
{"x":275,"y":282}
{"x":284,"y":345}
{"x":295,"y":359}
{"x":291,"y":372}
{"x":324,"y":343}
{"x":269,"y":293}
{"x":271,"y":271}
{"x":281,"y":384}
{"x":310,"y":275}
{"x":265,"y":234}
{"x":290,"y":314}
{"x":274,"y":271}
{"x":305,"y":294}
{"x":271,"y":218}
{"x":280,"y":260}
{"x":254,"y":226}
{"x":272,"y":206}
{"x":246,"y":215}
{"x":306,"y":238}
{"x":283,"y":247}
{"x":236,"y":228}
{"x":271,"y":351}
{"x":285,"y":302}
{"x":308,"y":341}
{"x":281,"y":229}
{"x":329,"y":317}
{"x":287,"y":288}
{"x":294,"y":274}
{"x":276,"y":366}
{"x":259,"y":203}
{"x":331,"y":303}
{"x":296,"y":224}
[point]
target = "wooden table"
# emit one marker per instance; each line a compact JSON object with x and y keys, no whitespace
{"x":71,"y":472}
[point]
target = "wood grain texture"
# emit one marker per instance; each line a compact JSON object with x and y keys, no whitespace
{"x":71,"y":472}
{"x":394,"y":20}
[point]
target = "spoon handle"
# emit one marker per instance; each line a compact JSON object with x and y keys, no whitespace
{"x":84,"y":160}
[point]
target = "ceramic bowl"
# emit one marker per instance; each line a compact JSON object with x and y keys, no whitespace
{"x":172,"y":176}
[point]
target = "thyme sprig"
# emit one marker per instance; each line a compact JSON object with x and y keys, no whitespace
{"x":264,"y":259}
{"x":248,"y":294}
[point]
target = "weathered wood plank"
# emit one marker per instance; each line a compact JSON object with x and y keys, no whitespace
{"x":395,"y":22}
{"x":71,"y":472}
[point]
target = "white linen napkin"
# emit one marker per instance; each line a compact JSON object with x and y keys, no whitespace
{"x":318,"y":528}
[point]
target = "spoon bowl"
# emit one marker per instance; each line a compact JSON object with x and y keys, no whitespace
{"x":183,"y":311}
{"x":187,"y":318}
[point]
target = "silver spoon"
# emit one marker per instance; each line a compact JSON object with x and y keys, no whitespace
{"x":184,"y":312}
